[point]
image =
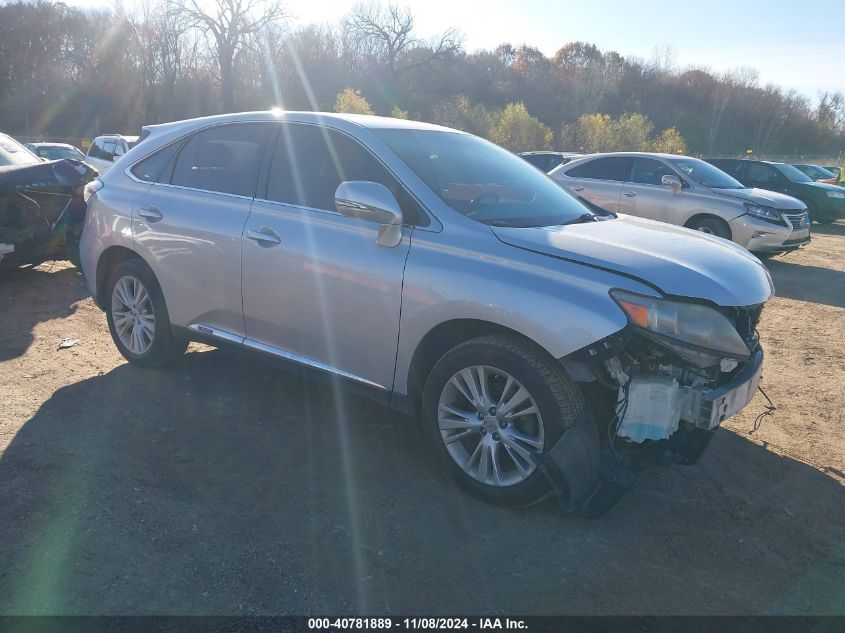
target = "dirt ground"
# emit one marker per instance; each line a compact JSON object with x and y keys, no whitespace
{"x":224,"y":485}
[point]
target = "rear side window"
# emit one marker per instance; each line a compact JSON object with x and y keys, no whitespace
{"x":310,"y":162}
{"x":760,"y":172}
{"x":615,"y":168}
{"x":579,"y":171}
{"x":224,"y":158}
{"x":159,"y":164}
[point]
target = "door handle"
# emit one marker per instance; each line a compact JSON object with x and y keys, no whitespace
{"x":265,"y":235}
{"x":629,"y":194}
{"x":577,"y":188}
{"x":151,"y":213}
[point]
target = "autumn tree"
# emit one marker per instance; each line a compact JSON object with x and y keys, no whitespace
{"x":352,"y":102}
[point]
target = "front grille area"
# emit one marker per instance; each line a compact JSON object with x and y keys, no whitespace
{"x":798,"y":221}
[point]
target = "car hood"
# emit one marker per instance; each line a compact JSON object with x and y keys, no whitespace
{"x":675,"y":260}
{"x":762,"y":197}
{"x":820,"y":186}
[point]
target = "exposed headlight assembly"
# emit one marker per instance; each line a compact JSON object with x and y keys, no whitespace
{"x":697,"y":332}
{"x":764,"y":213}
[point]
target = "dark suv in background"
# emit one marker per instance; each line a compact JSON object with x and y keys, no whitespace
{"x":547,"y":161}
{"x":826,"y":203}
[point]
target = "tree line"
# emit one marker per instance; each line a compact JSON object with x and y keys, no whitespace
{"x":68,"y":72}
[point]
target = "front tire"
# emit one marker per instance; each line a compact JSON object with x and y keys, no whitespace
{"x":488,"y":405}
{"x":712,"y":226}
{"x":137,"y":316}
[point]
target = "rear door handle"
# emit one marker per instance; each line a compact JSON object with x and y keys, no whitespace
{"x":151,"y":213}
{"x":264,"y":236}
{"x":629,"y":194}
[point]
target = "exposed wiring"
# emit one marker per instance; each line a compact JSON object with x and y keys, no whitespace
{"x":770,"y":410}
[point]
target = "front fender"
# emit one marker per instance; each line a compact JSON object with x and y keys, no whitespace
{"x":561,"y":306}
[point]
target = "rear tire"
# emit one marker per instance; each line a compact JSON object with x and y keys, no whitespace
{"x":138,"y":319}
{"x":484,"y":436}
{"x":712,"y":226}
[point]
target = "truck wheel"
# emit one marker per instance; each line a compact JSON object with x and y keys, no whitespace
{"x":491,"y":403}
{"x":138,"y":318}
{"x":712,"y":226}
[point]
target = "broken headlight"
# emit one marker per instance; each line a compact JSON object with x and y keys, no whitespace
{"x":690,"y":329}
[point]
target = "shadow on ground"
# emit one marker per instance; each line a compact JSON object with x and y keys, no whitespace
{"x":837,"y":228}
{"x":225,"y":486}
{"x":808,"y":283}
{"x":29,"y":296}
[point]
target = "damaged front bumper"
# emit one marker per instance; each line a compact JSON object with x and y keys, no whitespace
{"x":648,"y":404}
{"x":41,"y":210}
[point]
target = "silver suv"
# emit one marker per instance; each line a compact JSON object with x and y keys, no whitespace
{"x":692,"y":193}
{"x":436,"y":272}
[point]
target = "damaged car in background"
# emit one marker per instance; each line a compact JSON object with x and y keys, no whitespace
{"x":544,"y":346}
{"x":41,"y":205}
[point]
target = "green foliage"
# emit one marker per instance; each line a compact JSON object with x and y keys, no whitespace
{"x":351,"y":101}
{"x":460,"y":114}
{"x":518,"y":131}
{"x":398,"y":113}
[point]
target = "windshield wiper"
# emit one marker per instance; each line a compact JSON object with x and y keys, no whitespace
{"x":581,"y":219}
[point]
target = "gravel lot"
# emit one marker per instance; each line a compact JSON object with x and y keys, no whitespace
{"x":224,"y":485}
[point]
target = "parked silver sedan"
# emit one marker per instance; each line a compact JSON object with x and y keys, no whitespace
{"x":435,"y":272}
{"x":689,"y":192}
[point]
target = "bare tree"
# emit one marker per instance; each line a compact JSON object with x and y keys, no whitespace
{"x":385,"y":34}
{"x":232,"y":24}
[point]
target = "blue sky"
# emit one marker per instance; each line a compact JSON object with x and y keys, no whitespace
{"x":794,"y":44}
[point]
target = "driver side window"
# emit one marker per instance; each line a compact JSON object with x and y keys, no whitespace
{"x":309,"y":162}
{"x":648,"y":171}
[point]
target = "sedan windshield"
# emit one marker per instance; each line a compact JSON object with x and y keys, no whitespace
{"x":55,"y":153}
{"x":793,"y":174}
{"x":483,"y":181}
{"x":706,"y":175}
{"x":814,"y":172}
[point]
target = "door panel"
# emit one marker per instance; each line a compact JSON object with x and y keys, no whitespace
{"x":191,"y":237}
{"x":645,"y":197}
{"x":195,"y":253}
{"x":600,"y":181}
{"x":326,"y":293}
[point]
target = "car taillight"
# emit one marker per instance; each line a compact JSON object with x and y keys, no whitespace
{"x":91,"y":188}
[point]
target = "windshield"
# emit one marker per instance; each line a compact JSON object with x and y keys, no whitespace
{"x":793,"y":174}
{"x":705,"y":174}
{"x":13,"y":153}
{"x":55,"y":153}
{"x":816,"y":173}
{"x":481,"y":180}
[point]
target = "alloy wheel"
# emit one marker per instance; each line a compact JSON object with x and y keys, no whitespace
{"x":132,"y":314}
{"x":491,"y":425}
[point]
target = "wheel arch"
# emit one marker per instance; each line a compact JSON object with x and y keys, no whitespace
{"x":108,"y":259}
{"x":443,"y":337}
{"x":704,"y":215}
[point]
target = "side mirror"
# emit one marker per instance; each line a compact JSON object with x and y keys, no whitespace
{"x":371,"y":202}
{"x":673,"y":181}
